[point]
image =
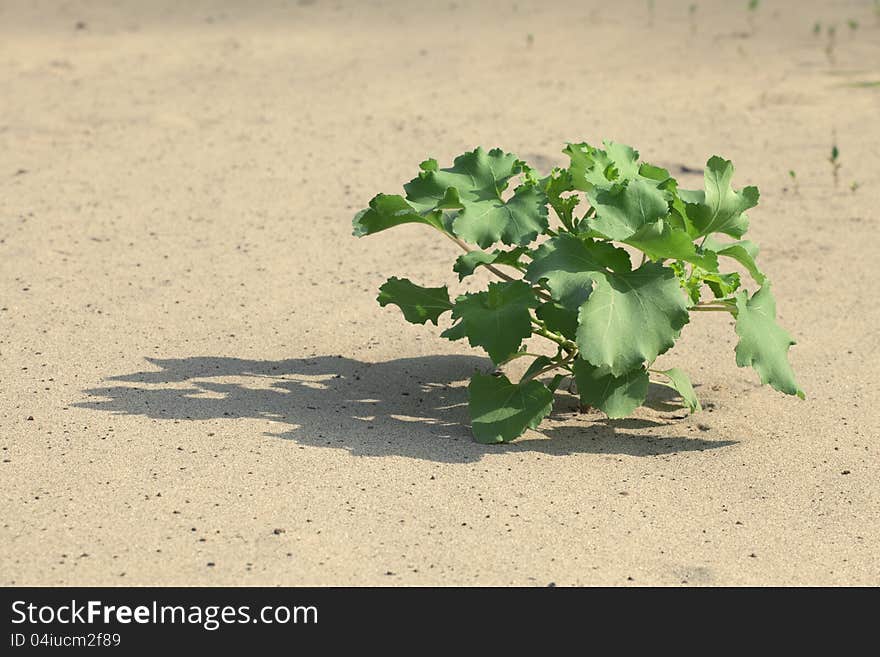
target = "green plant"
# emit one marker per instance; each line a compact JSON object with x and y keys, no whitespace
{"x":817,"y":28}
{"x":853,"y":24}
{"x":573,"y":282}
{"x":753,"y":11}
{"x":794,"y":181}
{"x":854,"y":186}
{"x":834,"y":159}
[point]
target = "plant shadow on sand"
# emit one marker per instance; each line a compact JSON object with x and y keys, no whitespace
{"x":413,"y":407}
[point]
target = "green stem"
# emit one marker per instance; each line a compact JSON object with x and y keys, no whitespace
{"x":708,"y":309}
{"x":542,"y":330}
{"x":544,"y":370}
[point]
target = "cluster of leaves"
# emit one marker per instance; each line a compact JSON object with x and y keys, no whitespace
{"x":574,"y":282}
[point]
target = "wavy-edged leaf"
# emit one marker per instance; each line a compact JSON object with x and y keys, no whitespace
{"x":389,"y":210}
{"x":418,"y":304}
{"x":744,"y":252}
{"x":501,"y":411}
{"x":467,"y":263}
{"x":631,"y":318}
{"x":498,"y":320}
{"x":681,"y":383}
{"x":478,"y":179}
{"x":719,"y":209}
{"x":569,"y":265}
{"x":616,"y":396}
{"x":623,"y":209}
{"x":660,"y":242}
{"x":763,"y":344}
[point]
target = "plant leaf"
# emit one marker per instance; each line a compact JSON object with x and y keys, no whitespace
{"x":719,"y":209}
{"x":497,"y":320}
{"x":631,"y":318}
{"x":625,"y":317}
{"x":681,"y":383}
{"x":467,"y":263}
{"x":616,"y":396}
{"x":623,"y":209}
{"x":387,"y":211}
{"x":722,"y":285}
{"x":763,"y":344}
{"x":478,"y":179}
{"x":501,"y":411}
{"x":744,"y":252}
{"x":554,"y":186}
{"x":419,"y":304}
{"x":660,"y":242}
{"x":570,"y":264}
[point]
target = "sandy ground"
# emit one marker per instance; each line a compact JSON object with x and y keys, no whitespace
{"x":197,"y":386}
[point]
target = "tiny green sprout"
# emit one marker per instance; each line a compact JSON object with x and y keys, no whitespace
{"x":794,"y":180}
{"x":853,"y":186}
{"x":753,"y":9}
{"x":834,"y":159}
{"x":853,"y":24}
{"x":817,"y":28}
{"x":530,"y":39}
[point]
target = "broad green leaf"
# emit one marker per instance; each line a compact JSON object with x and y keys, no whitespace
{"x":497,"y":320}
{"x":419,"y":304}
{"x":763,"y":344}
{"x":387,"y":211}
{"x":681,"y":383}
{"x":616,"y":396}
{"x":570,"y":264}
{"x":558,"y":319}
{"x":467,"y":263}
{"x":478,"y":179}
{"x":631,"y":318}
{"x":501,"y":411}
{"x":625,"y":317}
{"x":660,"y":242}
{"x":744,"y":252}
{"x":719,"y":209}
{"x":623,"y":209}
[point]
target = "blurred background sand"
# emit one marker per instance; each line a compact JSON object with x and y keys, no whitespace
{"x":198,"y":387}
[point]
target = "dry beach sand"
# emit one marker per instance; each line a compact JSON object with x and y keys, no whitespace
{"x":198,"y":387}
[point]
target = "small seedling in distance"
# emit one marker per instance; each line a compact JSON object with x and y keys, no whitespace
{"x":817,"y":28}
{"x":853,"y":24}
{"x":854,"y":186}
{"x":753,"y":10}
{"x":629,"y":259}
{"x":834,"y":159}
{"x":794,"y":181}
